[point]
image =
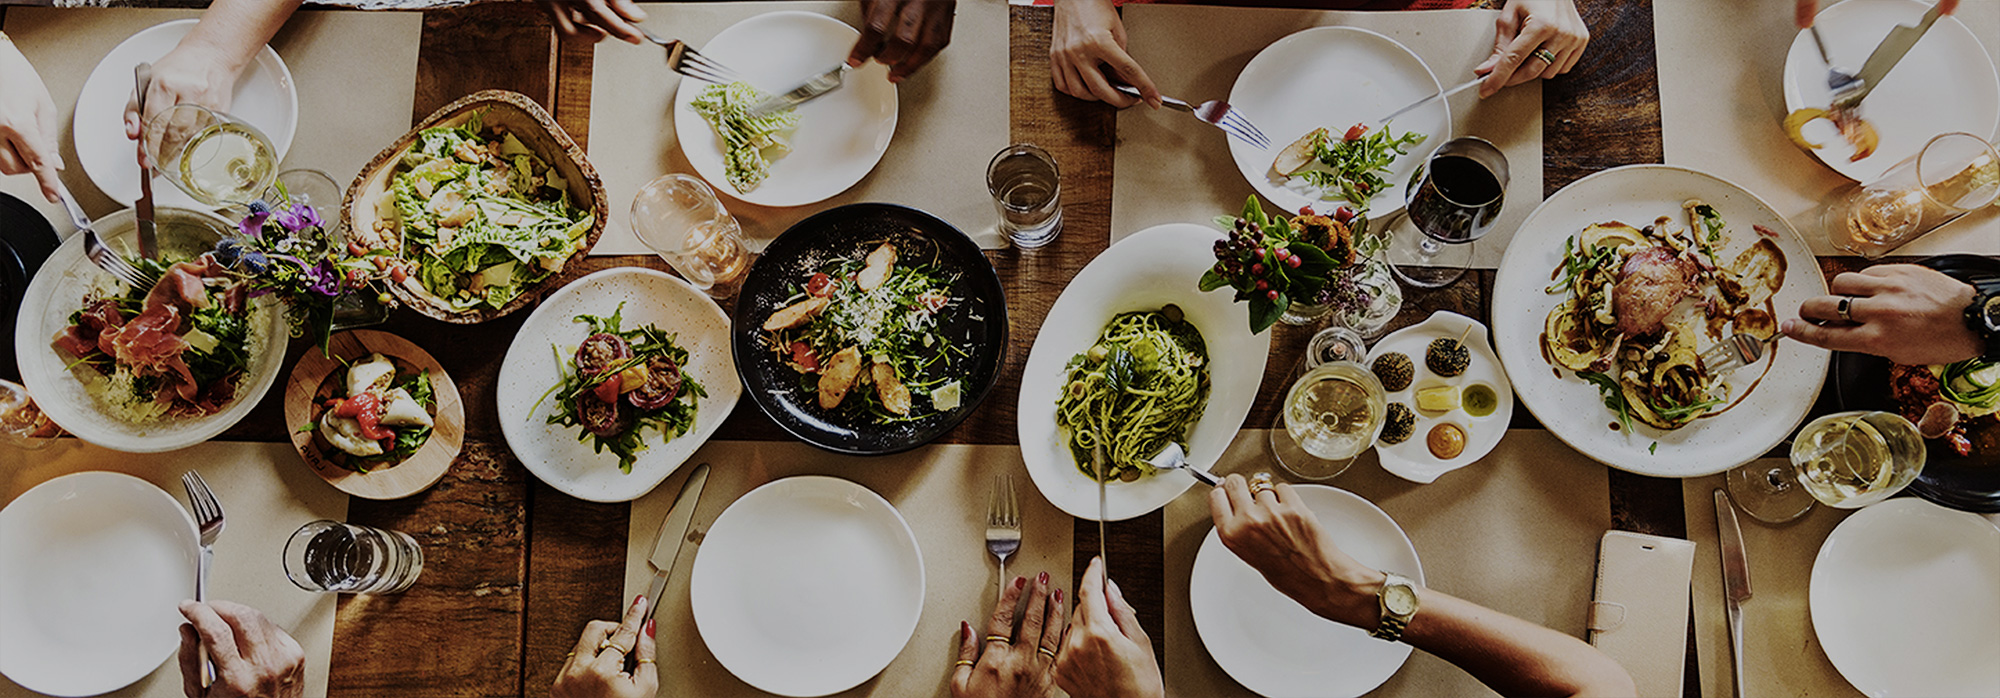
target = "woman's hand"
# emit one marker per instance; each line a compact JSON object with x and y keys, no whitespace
{"x":1286,"y":543}
{"x":254,"y":658}
{"x":596,"y":669}
{"x":1089,"y":37}
{"x":192,"y":73}
{"x":1106,"y":654}
{"x":1527,"y":29}
{"x":902,"y":34}
{"x":1006,"y":664}
{"x":595,"y":19}
{"x":1906,"y":313}
{"x":28,"y":121}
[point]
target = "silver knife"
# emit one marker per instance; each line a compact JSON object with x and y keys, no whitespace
{"x":1097,"y":463}
{"x":814,"y":88}
{"x":1887,"y":54}
{"x":1461,"y":87}
{"x":673,"y":533}
{"x":1735,"y":579}
{"x":142,"y":209}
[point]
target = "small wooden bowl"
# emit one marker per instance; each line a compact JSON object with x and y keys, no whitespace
{"x":420,"y":471}
{"x":369,"y":200}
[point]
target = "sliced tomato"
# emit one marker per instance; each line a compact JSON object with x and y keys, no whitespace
{"x":821,"y":285}
{"x":1356,"y":131}
{"x":805,"y":357}
{"x":607,"y":391}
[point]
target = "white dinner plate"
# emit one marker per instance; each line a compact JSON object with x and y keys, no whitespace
{"x":840,"y":136}
{"x":543,"y":347}
{"x":264,"y":96}
{"x":808,"y":586}
{"x":1333,"y":78}
{"x":1152,"y":268}
{"x":58,"y":290}
{"x":1274,"y":646}
{"x":1412,"y":459}
{"x":92,"y":569}
{"x":1906,"y":600}
{"x":1571,"y":407}
{"x":1945,"y":83}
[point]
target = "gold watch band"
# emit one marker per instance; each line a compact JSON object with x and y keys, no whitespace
{"x":1397,"y":603}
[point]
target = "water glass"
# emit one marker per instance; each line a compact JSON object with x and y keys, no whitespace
{"x":214,"y":157}
{"x":1027,"y":189}
{"x":679,"y":218}
{"x":335,"y":557}
{"x":1955,"y":173}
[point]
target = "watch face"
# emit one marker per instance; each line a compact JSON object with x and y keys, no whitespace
{"x":1400,"y":600}
{"x":1991,"y":313}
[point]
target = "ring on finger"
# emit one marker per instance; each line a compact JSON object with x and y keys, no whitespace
{"x":1046,"y":652}
{"x":1845,"y":308}
{"x":964,"y":662}
{"x":1000,"y":639}
{"x":1546,"y":55}
{"x":607,"y":644}
{"x":646,"y":661}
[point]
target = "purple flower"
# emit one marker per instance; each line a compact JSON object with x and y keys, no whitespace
{"x":252,"y":226}
{"x":323,"y":279}
{"x":297,"y":218}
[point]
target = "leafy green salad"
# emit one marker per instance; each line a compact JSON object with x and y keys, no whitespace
{"x":1347,"y":168}
{"x":748,"y":144}
{"x":618,"y":383}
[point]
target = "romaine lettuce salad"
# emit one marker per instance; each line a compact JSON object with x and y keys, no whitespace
{"x":748,"y":144}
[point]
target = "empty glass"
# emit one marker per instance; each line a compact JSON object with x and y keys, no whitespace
{"x":335,"y":557}
{"x":1027,"y":189}
{"x":1955,"y":173}
{"x":680,"y":219}
{"x":214,"y":157}
{"x":1453,"y":199}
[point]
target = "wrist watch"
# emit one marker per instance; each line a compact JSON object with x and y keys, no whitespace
{"x":1398,"y":601}
{"x":1983,"y":318}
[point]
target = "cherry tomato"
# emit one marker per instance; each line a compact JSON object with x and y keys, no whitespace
{"x":608,"y":390}
{"x":821,"y":285}
{"x":1343,"y":214}
{"x":1356,"y":131}
{"x":805,"y":357}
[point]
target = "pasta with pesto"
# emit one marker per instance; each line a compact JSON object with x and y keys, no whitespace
{"x":1141,"y":386}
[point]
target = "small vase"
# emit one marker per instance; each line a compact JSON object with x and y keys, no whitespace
{"x":1367,"y":298}
{"x":1303,"y":314}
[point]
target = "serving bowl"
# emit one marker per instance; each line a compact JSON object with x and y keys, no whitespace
{"x":319,"y":376}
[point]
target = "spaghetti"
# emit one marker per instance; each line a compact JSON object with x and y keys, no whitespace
{"x":1142,"y":385}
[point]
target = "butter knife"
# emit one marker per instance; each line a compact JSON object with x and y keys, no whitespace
{"x":673,"y":534}
{"x":1886,"y":56}
{"x":1447,"y":92}
{"x":1735,"y":579}
{"x":814,"y":88}
{"x":142,"y":209}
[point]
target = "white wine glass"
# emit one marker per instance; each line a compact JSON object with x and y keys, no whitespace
{"x":214,"y":157}
{"x":680,"y":219}
{"x":1846,"y":460}
{"x":1331,"y":416}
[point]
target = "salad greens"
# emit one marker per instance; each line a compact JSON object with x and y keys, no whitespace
{"x":1350,"y":168}
{"x":647,"y":344}
{"x":748,"y":144}
{"x":895,"y":323}
{"x":483,"y":217}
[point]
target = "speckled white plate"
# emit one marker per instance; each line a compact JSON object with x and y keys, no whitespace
{"x":552,"y":452}
{"x":1412,"y":459}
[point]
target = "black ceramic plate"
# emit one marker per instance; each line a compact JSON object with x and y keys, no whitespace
{"x":26,"y":240}
{"x":1861,"y":382}
{"x":976,"y":322}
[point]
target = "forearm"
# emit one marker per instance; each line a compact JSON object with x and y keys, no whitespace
{"x":233,"y":31}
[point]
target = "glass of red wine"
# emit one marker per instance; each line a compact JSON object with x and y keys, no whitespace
{"x":1453,"y":199}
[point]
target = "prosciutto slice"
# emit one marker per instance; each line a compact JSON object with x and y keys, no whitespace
{"x":150,"y":344}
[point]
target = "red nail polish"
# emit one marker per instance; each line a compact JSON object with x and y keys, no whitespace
{"x":1020,"y":582}
{"x":1058,"y":597}
{"x":965,"y":627}
{"x":649,"y":627}
{"x":1042,"y":579}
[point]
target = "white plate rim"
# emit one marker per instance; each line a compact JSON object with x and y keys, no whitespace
{"x":1412,"y":460}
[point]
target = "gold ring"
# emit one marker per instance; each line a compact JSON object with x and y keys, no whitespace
{"x":1546,"y":55}
{"x":571,"y":655}
{"x":645,"y":661}
{"x":1000,"y":638}
{"x":1046,"y":652}
{"x":1844,"y":307}
{"x":607,"y":644}
{"x":965,"y":662}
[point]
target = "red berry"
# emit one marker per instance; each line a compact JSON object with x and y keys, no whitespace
{"x":1258,"y":252}
{"x":1294,"y":262}
{"x":1305,"y":210}
{"x":1343,"y":214}
{"x":1263,"y":285}
{"x":1257,"y":269}
{"x":1271,"y":294}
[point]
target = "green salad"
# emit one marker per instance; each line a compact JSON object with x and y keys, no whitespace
{"x":748,"y":144}
{"x":1348,"y":167}
{"x":619,"y":383}
{"x":862,"y":334}
{"x":483,"y":217}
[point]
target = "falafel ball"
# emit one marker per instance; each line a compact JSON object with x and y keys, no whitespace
{"x":1447,"y":357}
{"x":1400,"y":423}
{"x":1395,"y":371}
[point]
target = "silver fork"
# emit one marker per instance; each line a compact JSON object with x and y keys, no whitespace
{"x":109,"y":260}
{"x":1215,"y":112}
{"x":683,"y":59}
{"x":1003,"y":523}
{"x":1841,"y":83}
{"x":208,"y":516}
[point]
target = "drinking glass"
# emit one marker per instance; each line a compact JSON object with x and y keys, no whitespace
{"x":1027,"y":190}
{"x":679,"y":218}
{"x":335,"y":557}
{"x":1331,"y":416}
{"x":214,"y":157}
{"x":1954,"y":174}
{"x":1846,"y":460}
{"x":22,"y":424}
{"x":1453,"y":199}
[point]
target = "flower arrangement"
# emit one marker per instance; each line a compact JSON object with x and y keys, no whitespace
{"x":1275,"y":262}
{"x":286,"y":250}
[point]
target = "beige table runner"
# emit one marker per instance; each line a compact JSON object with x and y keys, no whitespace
{"x":952,"y":118}
{"x":1170,"y":168}
{"x":267,"y":493}
{"x":1516,"y":531}
{"x":1722,"y":109}
{"x":941,"y":490}
{"x":356,"y":75}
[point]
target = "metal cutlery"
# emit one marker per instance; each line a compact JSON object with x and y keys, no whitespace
{"x":142,"y":209}
{"x":1003,"y":523}
{"x":1885,"y":57}
{"x":1442,"y":94}
{"x":1216,"y":113}
{"x":1735,"y":579}
{"x":1173,"y":457}
{"x":1837,"y":80}
{"x":673,"y":534}
{"x":683,"y":59}
{"x":814,"y":88}
{"x":110,"y":261}
{"x":1734,"y":352}
{"x":208,"y":518}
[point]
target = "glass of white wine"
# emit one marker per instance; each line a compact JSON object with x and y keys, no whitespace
{"x":1331,"y":416}
{"x":214,"y":157}
{"x":1846,"y":460}
{"x":680,"y":219}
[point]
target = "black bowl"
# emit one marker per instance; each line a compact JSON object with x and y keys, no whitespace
{"x":26,"y":240}
{"x":977,"y":323}
{"x":1861,"y":382}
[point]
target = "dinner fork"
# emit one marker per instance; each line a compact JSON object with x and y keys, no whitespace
{"x":1842,"y":84}
{"x":1734,"y":352}
{"x":683,"y":59}
{"x":1217,"y":113}
{"x":208,"y":517}
{"x":109,"y":260}
{"x":1003,"y":523}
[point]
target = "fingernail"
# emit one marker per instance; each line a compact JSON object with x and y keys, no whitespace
{"x":1020,"y":582}
{"x":1786,"y":326}
{"x":1043,"y":578}
{"x":649,"y":627}
{"x":1058,"y":597}
{"x":965,"y":629}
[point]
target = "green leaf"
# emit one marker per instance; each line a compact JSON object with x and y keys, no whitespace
{"x":1264,"y":313}
{"x":1253,"y":211}
{"x":1211,"y":281}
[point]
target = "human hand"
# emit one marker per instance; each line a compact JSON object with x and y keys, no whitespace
{"x":1525,"y":28}
{"x":902,"y":34}
{"x":1283,"y":541}
{"x":1106,"y":654}
{"x":28,"y":122}
{"x":192,"y":73}
{"x":1007,"y":664}
{"x":596,"y":668}
{"x":593,"y":20}
{"x":254,"y":658}
{"x":1088,"y":38}
{"x":1906,"y":313}
{"x":1807,"y":9}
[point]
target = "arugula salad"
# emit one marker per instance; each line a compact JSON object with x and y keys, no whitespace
{"x":619,"y":383}
{"x":482,"y":216}
{"x":870,"y":322}
{"x":748,"y":144}
{"x":1348,"y":168}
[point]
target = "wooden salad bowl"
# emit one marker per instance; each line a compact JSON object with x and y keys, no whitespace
{"x":369,"y":199}
{"x":318,"y":376}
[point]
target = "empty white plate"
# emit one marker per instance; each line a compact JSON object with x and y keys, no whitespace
{"x":92,"y":568}
{"x":1274,"y":646}
{"x":840,"y":136}
{"x":265,"y":97}
{"x":808,"y":586}
{"x":1905,"y":600}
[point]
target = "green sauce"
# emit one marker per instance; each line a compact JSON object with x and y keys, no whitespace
{"x":1479,"y":400}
